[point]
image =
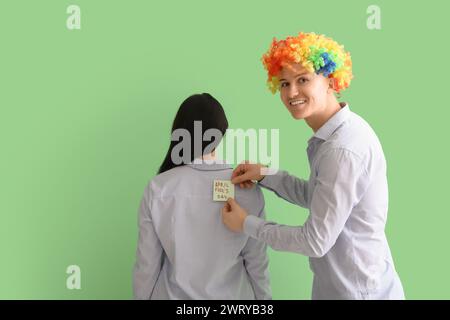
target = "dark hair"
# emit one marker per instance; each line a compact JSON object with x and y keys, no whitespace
{"x":198,"y":107}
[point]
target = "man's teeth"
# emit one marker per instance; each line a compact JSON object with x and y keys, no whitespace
{"x":297,"y":102}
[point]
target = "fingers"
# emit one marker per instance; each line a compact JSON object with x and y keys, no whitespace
{"x":244,"y":173}
{"x":231,"y":203}
{"x":224,"y":213}
{"x":226,"y":208}
{"x":240,"y":169}
{"x":241,"y":178}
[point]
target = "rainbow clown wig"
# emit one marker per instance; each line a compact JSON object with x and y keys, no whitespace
{"x":317,"y":53}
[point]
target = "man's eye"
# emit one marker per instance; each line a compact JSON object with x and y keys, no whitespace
{"x":302,"y":80}
{"x":284,"y":84}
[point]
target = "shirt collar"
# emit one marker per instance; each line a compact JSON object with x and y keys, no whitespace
{"x":209,"y":165}
{"x":329,"y":127}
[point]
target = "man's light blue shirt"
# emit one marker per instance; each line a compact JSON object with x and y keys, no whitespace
{"x":347,"y":198}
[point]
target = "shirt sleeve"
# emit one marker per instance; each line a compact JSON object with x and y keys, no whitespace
{"x":341,"y":183}
{"x":256,"y":263}
{"x":288,"y":187}
{"x":149,"y":254}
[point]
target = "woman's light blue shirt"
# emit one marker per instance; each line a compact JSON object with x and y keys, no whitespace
{"x":184,"y":250}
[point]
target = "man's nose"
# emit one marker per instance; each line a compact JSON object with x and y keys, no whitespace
{"x":293,"y":91}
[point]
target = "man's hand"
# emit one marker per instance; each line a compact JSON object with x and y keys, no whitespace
{"x":233,"y":216}
{"x":246,"y":173}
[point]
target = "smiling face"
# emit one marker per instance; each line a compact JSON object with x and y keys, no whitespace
{"x":304,"y":93}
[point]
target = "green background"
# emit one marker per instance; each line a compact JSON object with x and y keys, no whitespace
{"x":86,"y":115}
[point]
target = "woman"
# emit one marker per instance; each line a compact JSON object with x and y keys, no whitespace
{"x":347,"y":191}
{"x":184,"y":251}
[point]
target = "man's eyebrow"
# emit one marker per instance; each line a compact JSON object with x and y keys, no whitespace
{"x":296,"y":76}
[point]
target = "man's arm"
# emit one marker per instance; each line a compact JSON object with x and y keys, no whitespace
{"x":284,"y":185}
{"x":341,"y":183}
{"x":288,"y":187}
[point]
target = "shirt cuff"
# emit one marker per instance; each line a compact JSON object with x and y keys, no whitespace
{"x":252,"y":224}
{"x":270,"y":181}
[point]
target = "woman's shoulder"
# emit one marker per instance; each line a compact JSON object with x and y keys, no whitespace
{"x":185,"y":182}
{"x":167,"y":180}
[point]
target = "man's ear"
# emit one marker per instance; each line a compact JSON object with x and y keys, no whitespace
{"x":331,"y":85}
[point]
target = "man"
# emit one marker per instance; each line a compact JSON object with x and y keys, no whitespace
{"x":347,"y":192}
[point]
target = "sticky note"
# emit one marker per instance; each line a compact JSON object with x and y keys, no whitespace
{"x":222,"y":190}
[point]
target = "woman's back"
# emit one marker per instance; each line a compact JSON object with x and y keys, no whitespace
{"x":185,"y":251}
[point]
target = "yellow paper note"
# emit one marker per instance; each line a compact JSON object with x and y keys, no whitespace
{"x":222,"y":190}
